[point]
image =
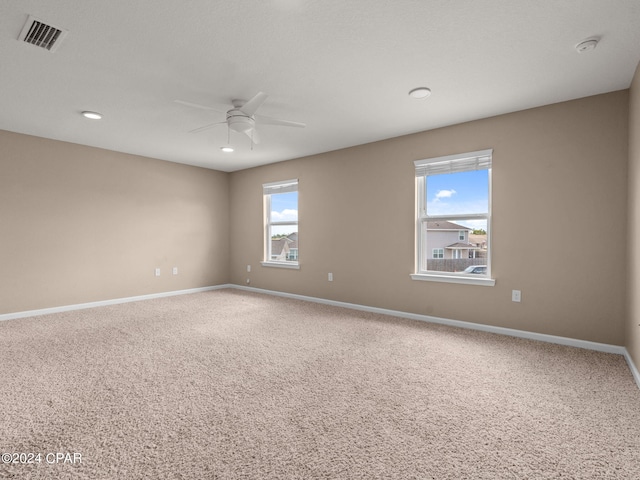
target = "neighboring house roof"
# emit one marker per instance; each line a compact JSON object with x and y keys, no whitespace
{"x":444,"y":225}
{"x":284,"y":244}
{"x":462,"y":245}
{"x":293,"y":238}
{"x":480,"y":240}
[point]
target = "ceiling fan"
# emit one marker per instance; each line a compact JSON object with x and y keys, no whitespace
{"x":242,"y":117}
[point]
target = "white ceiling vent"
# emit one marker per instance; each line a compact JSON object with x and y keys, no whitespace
{"x":38,"y":33}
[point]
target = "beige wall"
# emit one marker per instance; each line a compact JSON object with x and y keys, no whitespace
{"x":559,"y":222}
{"x":633,"y":297}
{"x":81,"y":224}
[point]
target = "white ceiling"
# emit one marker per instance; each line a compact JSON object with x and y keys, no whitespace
{"x":343,"y":67}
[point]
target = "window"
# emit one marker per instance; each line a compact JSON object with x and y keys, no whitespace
{"x":281,"y":224}
{"x":453,"y":201}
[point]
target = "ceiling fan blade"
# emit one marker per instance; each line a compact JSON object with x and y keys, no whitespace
{"x":253,"y":135}
{"x":196,"y":105}
{"x":251,"y":106}
{"x":206,"y":127}
{"x":276,"y":121}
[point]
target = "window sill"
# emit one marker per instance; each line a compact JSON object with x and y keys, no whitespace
{"x":290,"y":265}
{"x":429,"y":277}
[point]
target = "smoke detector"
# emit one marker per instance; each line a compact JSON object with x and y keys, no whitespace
{"x":40,"y":34}
{"x":587,"y":45}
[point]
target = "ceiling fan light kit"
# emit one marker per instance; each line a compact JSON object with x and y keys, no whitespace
{"x":239,"y":122}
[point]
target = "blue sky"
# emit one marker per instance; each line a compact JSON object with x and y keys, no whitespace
{"x":284,"y":206}
{"x":459,"y":193}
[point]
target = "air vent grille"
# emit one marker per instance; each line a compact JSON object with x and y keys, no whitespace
{"x":38,"y":33}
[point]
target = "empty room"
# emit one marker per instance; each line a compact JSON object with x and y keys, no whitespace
{"x":286,"y":239}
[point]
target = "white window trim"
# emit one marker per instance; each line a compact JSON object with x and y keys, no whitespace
{"x":432,"y":277}
{"x":269,"y":189}
{"x":291,"y":265}
{"x":443,"y":164}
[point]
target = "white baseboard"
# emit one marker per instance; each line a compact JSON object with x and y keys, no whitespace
{"x":572,"y":342}
{"x":632,"y":367}
{"x":102,"y":303}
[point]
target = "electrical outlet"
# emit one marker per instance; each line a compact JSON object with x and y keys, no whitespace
{"x":516,"y":295}
{"x":175,"y":270}
{"x":330,"y":277}
{"x":248,"y":268}
{"x":157,"y":272}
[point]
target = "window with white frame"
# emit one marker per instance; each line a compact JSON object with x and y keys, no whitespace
{"x":453,"y":200}
{"x":281,"y":247}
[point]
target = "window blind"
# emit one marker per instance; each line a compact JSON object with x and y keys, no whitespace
{"x":280,"y":187}
{"x":463,"y":162}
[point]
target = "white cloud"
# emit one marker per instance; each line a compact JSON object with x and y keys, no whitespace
{"x":285,"y":215}
{"x":444,"y":194}
{"x":437,"y":207}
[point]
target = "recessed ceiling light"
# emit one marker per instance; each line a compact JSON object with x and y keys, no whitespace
{"x":587,"y":45}
{"x":226,"y":149}
{"x":420,"y":92}
{"x":92,"y":115}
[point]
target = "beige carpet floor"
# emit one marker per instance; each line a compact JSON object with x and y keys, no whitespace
{"x":236,"y":385}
